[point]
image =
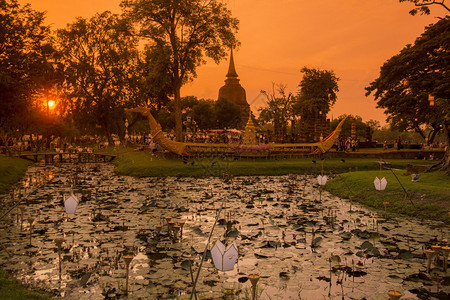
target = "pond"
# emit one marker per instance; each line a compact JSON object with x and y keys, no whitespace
{"x":302,"y":242}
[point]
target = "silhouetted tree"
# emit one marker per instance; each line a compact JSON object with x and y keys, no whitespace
{"x":183,"y":31}
{"x":317,"y":93}
{"x":408,"y":79}
{"x":155,"y":85}
{"x":347,"y":127}
{"x":423,"y":6}
{"x":413,"y":86}
{"x":203,"y":114}
{"x":25,"y":49}
{"x":101,"y":69}
{"x":278,"y":110}
{"x":227,"y":114}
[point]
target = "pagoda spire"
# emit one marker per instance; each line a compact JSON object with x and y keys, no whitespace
{"x":231,"y":69}
{"x":250,"y":131}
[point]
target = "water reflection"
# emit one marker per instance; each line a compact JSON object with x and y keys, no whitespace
{"x":304,"y":243}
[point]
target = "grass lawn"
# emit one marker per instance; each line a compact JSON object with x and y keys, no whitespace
{"x":430,"y":196}
{"x":142,"y":163}
{"x":11,"y":170}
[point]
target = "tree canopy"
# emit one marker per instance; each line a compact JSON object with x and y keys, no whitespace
{"x":187,"y":30}
{"x":410,"y":79}
{"x":227,"y":113}
{"x":347,"y":127}
{"x":278,"y":110}
{"x":317,"y":92}
{"x":100,"y":66}
{"x":24,"y":45}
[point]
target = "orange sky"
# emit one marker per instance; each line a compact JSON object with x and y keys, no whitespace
{"x":278,"y":37}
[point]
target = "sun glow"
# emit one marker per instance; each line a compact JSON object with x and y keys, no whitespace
{"x":51,"y":103}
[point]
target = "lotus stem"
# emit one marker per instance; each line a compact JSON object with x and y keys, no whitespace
{"x":170,"y":225}
{"x":127,"y":258}
{"x":445,"y":253}
{"x":31,"y":220}
{"x":436,"y":249}
{"x":158,"y":229}
{"x":430,"y":254}
{"x":22,"y":209}
{"x":254,"y":280}
{"x":181,"y":224}
{"x":176,"y":230}
{"x":58,"y":243}
{"x":385,"y":208}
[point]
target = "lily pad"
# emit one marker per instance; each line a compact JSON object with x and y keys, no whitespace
{"x":366,"y":245}
{"x":346,"y":235}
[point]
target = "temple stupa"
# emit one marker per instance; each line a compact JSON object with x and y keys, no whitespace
{"x":250,"y":132}
{"x":234,"y":92}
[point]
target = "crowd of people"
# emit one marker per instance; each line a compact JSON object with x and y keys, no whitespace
{"x":213,"y":138}
{"x":33,"y":142}
{"x":347,"y":144}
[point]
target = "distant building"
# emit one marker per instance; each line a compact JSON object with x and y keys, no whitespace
{"x":234,"y":92}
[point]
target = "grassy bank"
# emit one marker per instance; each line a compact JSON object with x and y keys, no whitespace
{"x":429,"y":198}
{"x":10,"y":289}
{"x":11,"y":170}
{"x":142,"y":163}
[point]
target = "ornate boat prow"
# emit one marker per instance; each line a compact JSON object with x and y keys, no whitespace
{"x":157,"y":133}
{"x":328,"y":142}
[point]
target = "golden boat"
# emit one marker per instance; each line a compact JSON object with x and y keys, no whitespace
{"x":248,"y":148}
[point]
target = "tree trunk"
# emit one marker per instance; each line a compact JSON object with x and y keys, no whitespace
{"x":178,"y":124}
{"x":444,"y":164}
{"x":433,"y":135}
{"x":108,"y":135}
{"x":446,"y":160}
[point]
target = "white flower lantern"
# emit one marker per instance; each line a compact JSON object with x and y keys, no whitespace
{"x":71,"y":204}
{"x":322,"y":179}
{"x":380,"y":184}
{"x":224,"y":258}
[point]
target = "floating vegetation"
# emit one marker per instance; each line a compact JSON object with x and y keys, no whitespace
{"x":145,"y":237}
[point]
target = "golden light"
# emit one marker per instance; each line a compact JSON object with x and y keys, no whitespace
{"x":51,"y":103}
{"x":431,"y":99}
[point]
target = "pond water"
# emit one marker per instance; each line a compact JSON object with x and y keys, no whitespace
{"x":304,"y":243}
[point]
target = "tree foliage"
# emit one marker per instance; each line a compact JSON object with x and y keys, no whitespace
{"x":24,"y":46}
{"x":206,"y":113}
{"x":203,"y":114}
{"x":227,"y":113}
{"x":423,"y":6}
{"x":317,"y":92}
{"x":100,"y":66}
{"x":407,"y":80}
{"x":155,"y":85}
{"x":183,"y":32}
{"x":347,"y":127}
{"x":278,"y":110}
